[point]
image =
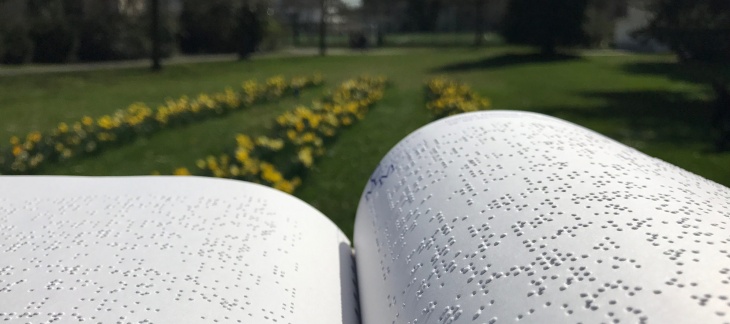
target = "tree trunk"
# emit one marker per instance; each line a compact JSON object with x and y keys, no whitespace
{"x":294,"y":20}
{"x":155,"y":34}
{"x":378,"y":17}
{"x":479,"y":22}
{"x":246,"y":30}
{"x":548,"y":49}
{"x":323,"y":29}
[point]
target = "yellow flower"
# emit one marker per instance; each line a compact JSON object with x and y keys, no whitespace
{"x":291,"y":134}
{"x":299,"y":126}
{"x":450,"y":98}
{"x":251,"y":167}
{"x":486,"y":103}
{"x":302,"y":127}
{"x":17,"y":149}
{"x":196,"y":106}
{"x":241,"y":155}
{"x":244,"y":141}
{"x":35,"y":160}
{"x":269,"y":173}
{"x":225,"y":159}
{"x":305,"y":156}
{"x":273,"y":144}
{"x":200,"y":164}
{"x":181,"y":172}
{"x":212,"y":163}
{"x":308,"y":137}
{"x":34,"y":137}
{"x":105,"y":122}
{"x":286,"y":186}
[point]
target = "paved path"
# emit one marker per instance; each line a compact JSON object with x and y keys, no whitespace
{"x":6,"y":70}
{"x":112,"y":65}
{"x":187,"y":59}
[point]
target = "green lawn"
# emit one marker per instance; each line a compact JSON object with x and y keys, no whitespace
{"x":645,"y":101}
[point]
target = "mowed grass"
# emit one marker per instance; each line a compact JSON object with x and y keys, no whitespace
{"x":646,"y":101}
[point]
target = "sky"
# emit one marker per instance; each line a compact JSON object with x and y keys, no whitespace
{"x":352,"y":3}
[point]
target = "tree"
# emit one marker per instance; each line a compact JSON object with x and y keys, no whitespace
{"x":295,"y":28}
{"x":18,"y":46}
{"x":377,"y":12}
{"x":99,"y":36}
{"x":300,"y":15}
{"x":323,"y":28}
{"x":601,"y":16}
{"x":423,"y":14}
{"x":545,"y":23}
{"x":50,"y":31}
{"x":694,"y":30}
{"x":479,"y":21}
{"x":115,"y":30}
{"x":249,"y":31}
{"x":155,"y":34}
{"x":208,"y":26}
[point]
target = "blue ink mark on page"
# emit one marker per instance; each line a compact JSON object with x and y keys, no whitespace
{"x":377,"y":179}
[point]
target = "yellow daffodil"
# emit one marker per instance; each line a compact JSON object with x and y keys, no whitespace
{"x":181,"y":172}
{"x":17,"y":149}
{"x":305,"y":156}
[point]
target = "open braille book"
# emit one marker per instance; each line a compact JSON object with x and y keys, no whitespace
{"x":489,"y":217}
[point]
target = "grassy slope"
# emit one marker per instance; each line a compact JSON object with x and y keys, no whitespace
{"x":643,"y":101}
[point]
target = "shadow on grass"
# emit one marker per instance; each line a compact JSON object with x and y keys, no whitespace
{"x":504,"y":60}
{"x":635,"y":117}
{"x":694,"y":72}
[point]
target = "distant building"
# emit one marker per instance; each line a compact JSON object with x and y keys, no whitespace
{"x":307,"y":15}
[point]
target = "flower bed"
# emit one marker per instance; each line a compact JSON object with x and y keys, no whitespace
{"x":89,"y":135}
{"x":447,"y":97}
{"x":298,"y":139}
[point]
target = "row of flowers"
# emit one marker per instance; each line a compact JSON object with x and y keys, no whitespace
{"x":447,"y":97}
{"x":90,"y":135}
{"x":299,"y":137}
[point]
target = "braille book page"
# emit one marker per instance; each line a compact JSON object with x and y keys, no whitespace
{"x":505,"y":217}
{"x":168,"y":250}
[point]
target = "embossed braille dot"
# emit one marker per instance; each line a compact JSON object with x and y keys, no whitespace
{"x":564,"y":217}
{"x":162,"y":255}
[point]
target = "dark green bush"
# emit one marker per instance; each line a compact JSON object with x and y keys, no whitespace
{"x":18,"y":46}
{"x":546,"y":24}
{"x":51,"y":31}
{"x":98,"y":38}
{"x":696,"y":30}
{"x":118,"y":37}
{"x":53,"y":41}
{"x":208,"y":27}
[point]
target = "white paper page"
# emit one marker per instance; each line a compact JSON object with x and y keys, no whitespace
{"x":498,"y":217}
{"x":167,"y":250}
